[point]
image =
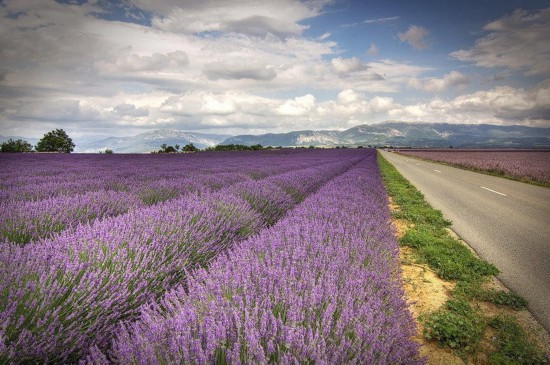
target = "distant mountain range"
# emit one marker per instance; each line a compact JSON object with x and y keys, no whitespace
{"x":397,"y":134}
{"x":403,"y":134}
{"x":151,"y":141}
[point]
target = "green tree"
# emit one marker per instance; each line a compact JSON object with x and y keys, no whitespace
{"x":19,"y":145}
{"x":55,"y":141}
{"x":189,"y":148}
{"x":166,"y":149}
{"x":238,"y":147}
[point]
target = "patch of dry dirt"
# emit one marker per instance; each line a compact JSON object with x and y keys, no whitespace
{"x":425,"y":292}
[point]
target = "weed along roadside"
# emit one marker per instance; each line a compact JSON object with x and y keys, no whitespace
{"x":463,"y":313}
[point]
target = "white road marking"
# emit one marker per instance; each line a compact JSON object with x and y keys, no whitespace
{"x":493,"y":191}
{"x":437,"y":171}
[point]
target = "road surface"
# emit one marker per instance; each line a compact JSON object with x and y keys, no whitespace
{"x":506,"y":222}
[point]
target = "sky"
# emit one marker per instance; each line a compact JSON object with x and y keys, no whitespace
{"x":119,"y":68}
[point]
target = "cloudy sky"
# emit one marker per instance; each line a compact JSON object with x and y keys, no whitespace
{"x":101,"y":68}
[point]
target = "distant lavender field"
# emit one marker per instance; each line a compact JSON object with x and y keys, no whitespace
{"x":274,"y":256}
{"x":527,"y":165}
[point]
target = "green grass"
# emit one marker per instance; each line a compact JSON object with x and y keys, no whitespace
{"x":456,"y":324}
{"x":445,"y":255}
{"x":433,"y":245}
{"x":501,"y":298}
{"x":512,"y":345}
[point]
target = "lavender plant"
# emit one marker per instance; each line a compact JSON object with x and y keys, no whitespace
{"x":37,"y":177}
{"x":320,"y":286}
{"x":23,"y":222}
{"x":61,"y":298}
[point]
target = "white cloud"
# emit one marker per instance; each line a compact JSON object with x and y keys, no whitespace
{"x":298,"y":106}
{"x":202,"y":103}
{"x":231,"y":110}
{"x":131,"y":62}
{"x":346,"y":65}
{"x":352,"y":105}
{"x":373,"y":49}
{"x":62,"y":65}
{"x":348,"y":96}
{"x":54,"y":110}
{"x":452,"y":79}
{"x":380,"y":104}
{"x":381,"y":20}
{"x":415,"y":36}
{"x":518,"y":41}
{"x":51,"y":50}
{"x":279,"y":17}
{"x":500,"y":105}
{"x":130,"y":110}
{"x":238,"y":71}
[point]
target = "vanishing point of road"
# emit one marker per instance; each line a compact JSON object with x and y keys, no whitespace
{"x":506,"y":222}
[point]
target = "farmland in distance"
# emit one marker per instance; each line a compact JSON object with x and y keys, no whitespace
{"x":525,"y":165}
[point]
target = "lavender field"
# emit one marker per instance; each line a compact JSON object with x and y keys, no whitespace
{"x":223,"y":258}
{"x":526,"y":165}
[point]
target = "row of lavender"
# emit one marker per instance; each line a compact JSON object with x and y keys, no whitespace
{"x":321,"y":286}
{"x":38,"y":176}
{"x":93,"y":187}
{"x":62,"y":296}
{"x":524,"y":165}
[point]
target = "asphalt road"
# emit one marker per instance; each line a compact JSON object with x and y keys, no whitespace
{"x":506,"y":222}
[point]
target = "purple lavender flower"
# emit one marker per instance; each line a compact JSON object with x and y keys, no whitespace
{"x":62,"y":296}
{"x":320,"y":286}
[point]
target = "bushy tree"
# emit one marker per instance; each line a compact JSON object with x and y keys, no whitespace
{"x":189,"y":148}
{"x":166,"y":149}
{"x":55,"y":141}
{"x":19,"y":145}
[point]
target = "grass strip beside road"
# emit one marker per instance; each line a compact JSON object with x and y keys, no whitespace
{"x":460,"y":324}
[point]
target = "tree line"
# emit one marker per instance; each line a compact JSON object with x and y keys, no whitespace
{"x":53,"y":141}
{"x":226,"y":147}
{"x":176,"y":148}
